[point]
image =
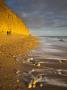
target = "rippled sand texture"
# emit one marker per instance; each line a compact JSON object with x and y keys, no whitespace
{"x":12,"y":46}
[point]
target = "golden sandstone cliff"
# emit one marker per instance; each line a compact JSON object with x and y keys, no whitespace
{"x":10,"y":22}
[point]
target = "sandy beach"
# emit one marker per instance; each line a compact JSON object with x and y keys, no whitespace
{"x":15,"y":55}
{"x":11,"y":47}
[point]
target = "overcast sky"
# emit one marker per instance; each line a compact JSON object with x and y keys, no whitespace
{"x":47,"y":17}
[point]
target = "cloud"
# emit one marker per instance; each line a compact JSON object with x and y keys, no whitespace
{"x":41,"y":13}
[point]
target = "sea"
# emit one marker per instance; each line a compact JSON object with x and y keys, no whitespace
{"x":51,"y":47}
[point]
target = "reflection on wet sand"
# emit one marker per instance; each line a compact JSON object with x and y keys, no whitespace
{"x":45,"y":67}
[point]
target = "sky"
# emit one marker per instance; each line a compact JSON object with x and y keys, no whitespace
{"x":43,"y":17}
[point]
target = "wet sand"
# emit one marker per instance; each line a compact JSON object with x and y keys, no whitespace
{"x":48,"y":87}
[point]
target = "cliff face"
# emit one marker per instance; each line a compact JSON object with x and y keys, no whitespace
{"x":10,"y":22}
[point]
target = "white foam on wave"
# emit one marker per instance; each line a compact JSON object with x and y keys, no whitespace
{"x":56,"y":82}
